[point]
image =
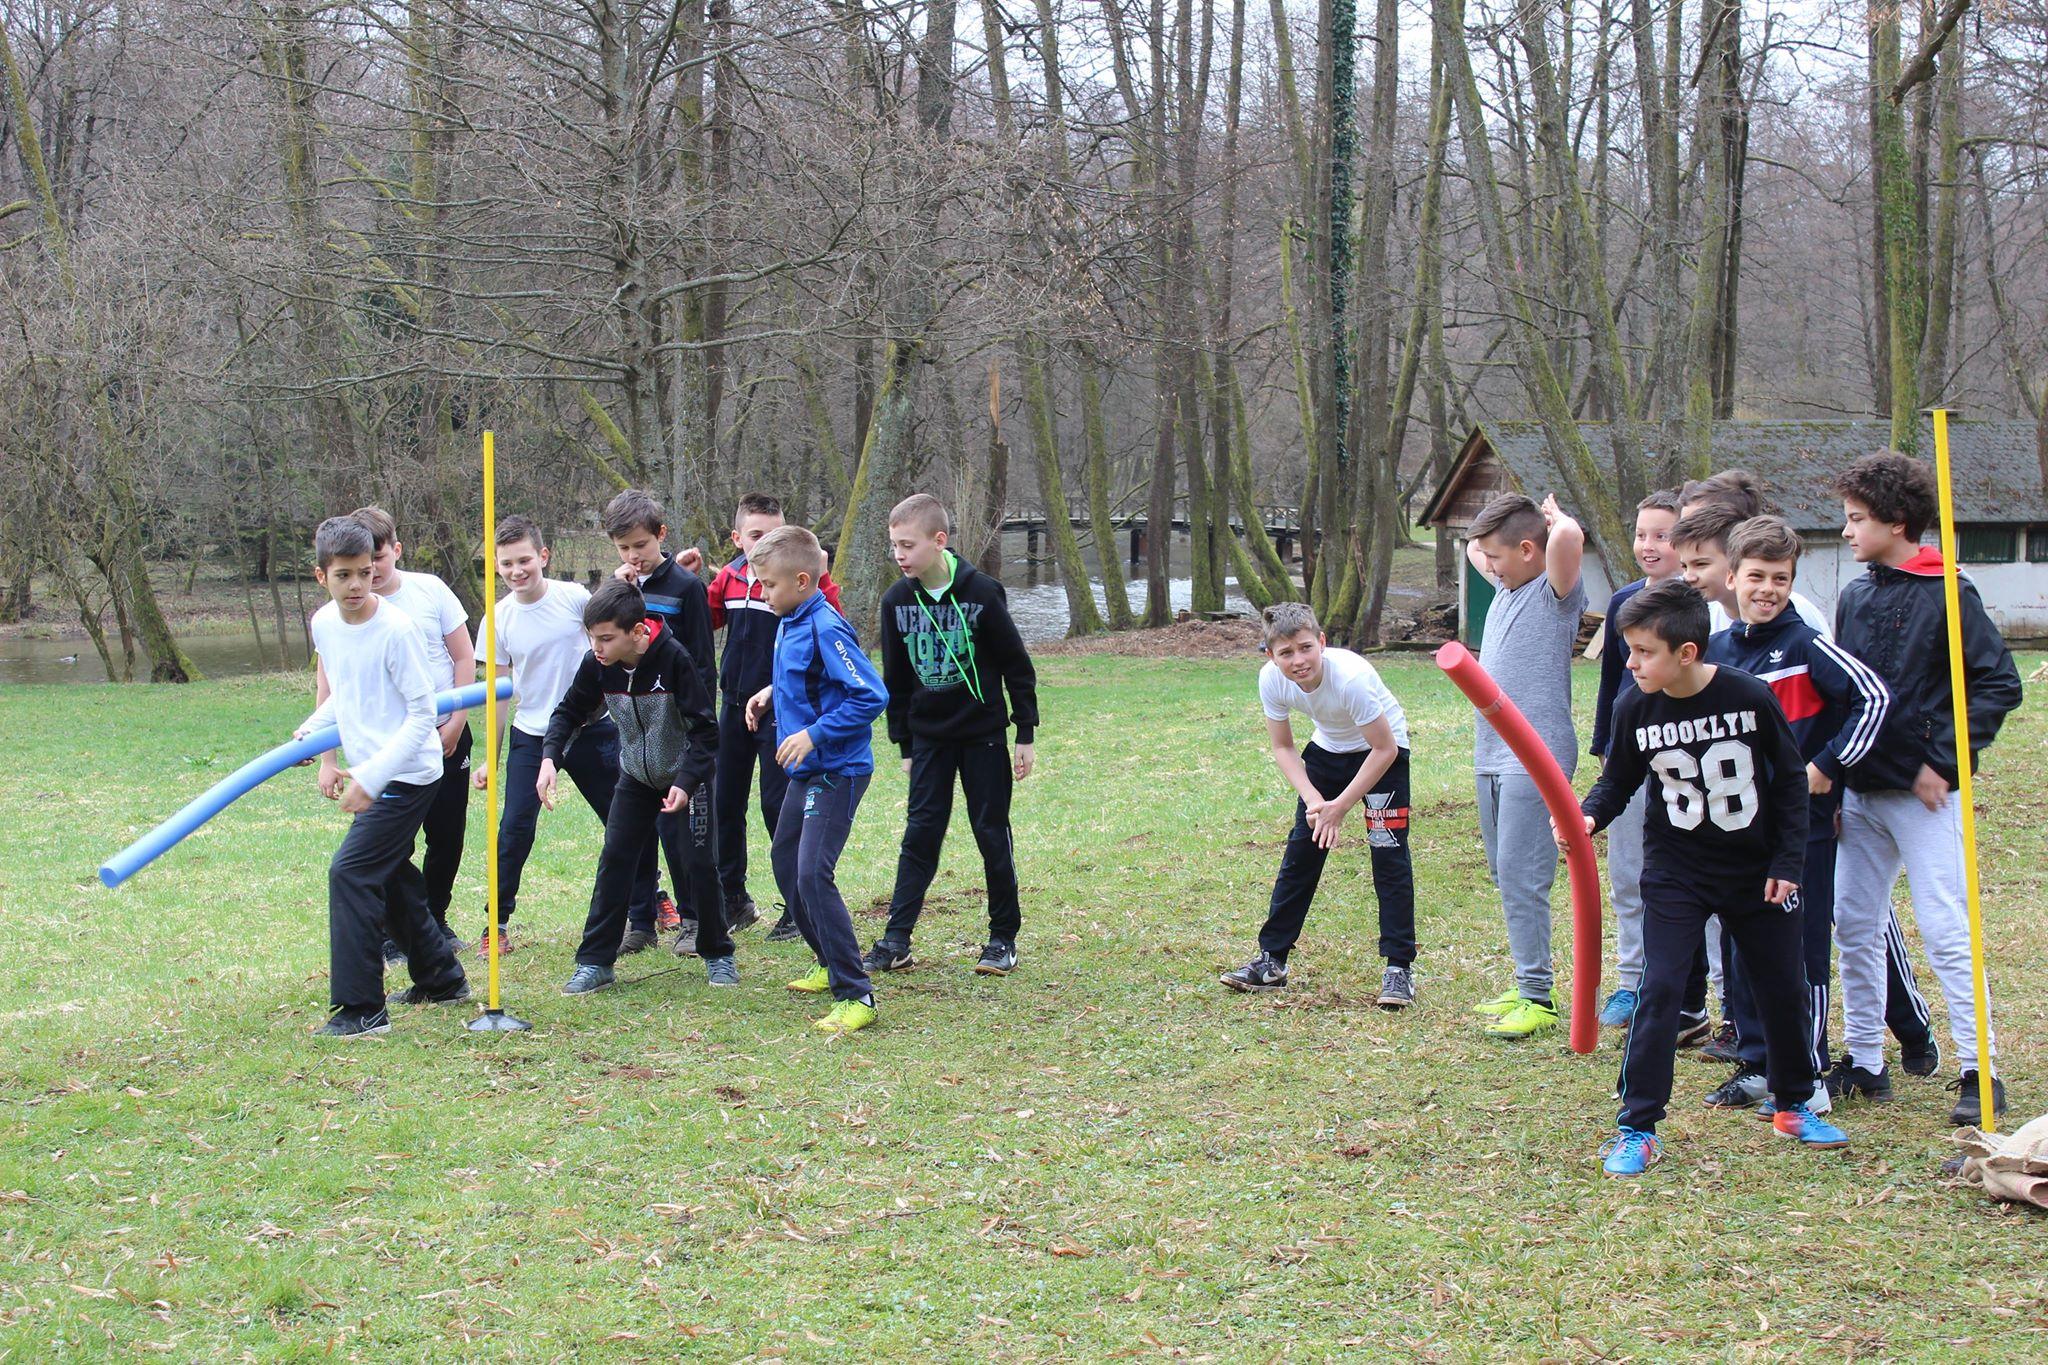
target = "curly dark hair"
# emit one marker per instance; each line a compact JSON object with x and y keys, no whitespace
{"x":1898,"y":490}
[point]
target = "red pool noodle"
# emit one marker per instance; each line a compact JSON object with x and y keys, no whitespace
{"x":1507,"y":719}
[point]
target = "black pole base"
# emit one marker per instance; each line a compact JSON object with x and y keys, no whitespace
{"x":497,"y":1021}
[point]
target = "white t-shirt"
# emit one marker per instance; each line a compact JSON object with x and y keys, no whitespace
{"x":436,"y":610}
{"x":380,"y":694}
{"x":542,"y":642}
{"x":1350,"y":698}
{"x":1718,"y":619}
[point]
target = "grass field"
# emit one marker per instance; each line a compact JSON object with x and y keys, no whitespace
{"x":1103,"y":1155}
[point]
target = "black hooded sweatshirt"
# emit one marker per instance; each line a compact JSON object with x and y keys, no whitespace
{"x":947,"y":660}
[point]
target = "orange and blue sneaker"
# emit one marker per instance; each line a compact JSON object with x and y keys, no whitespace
{"x":1629,"y":1152}
{"x":1810,"y":1128}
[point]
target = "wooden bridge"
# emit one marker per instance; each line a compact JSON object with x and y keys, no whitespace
{"x":1282,"y":524}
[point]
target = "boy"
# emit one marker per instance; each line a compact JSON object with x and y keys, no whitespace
{"x":1534,"y":555}
{"x":444,"y":632}
{"x":949,"y":650}
{"x":1742,"y":493}
{"x":1359,"y":753}
{"x":540,"y":643}
{"x":381,"y":696}
{"x":825,"y":696}
{"x":1900,"y":808}
{"x":1836,"y":709}
{"x":1655,"y":516}
{"x":1701,"y":539}
{"x":738,"y":606}
{"x":1727,"y":836}
{"x":637,"y":527}
{"x":648,"y":684}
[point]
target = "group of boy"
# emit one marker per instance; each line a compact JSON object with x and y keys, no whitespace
{"x":618,"y":688}
{"x":1797,"y":770}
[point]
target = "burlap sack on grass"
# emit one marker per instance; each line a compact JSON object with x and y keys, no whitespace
{"x":2009,"y":1166}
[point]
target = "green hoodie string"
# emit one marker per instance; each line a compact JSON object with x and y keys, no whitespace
{"x":972,"y":680}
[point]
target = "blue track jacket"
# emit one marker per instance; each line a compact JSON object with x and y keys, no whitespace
{"x":825,"y":684}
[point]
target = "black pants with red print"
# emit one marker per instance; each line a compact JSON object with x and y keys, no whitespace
{"x":1382,"y":817}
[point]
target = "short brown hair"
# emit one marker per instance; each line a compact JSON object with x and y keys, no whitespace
{"x":1708,"y":526}
{"x":515,"y":528}
{"x":791,"y":546}
{"x":1898,"y":490}
{"x":1736,"y":488}
{"x":1512,"y":517}
{"x":757,"y":505}
{"x":341,"y":538}
{"x":617,"y":603}
{"x":1285,"y":620}
{"x":634,"y":510}
{"x":383,"y":530}
{"x":1673,"y":611}
{"x":921,"y":512}
{"x":1663,"y":500}
{"x":1770,"y":539}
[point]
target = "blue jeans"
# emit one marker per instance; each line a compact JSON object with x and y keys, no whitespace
{"x":592,"y":763}
{"x":817,"y":815}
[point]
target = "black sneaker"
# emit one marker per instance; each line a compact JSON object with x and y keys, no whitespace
{"x":1969,"y":1110}
{"x":1693,"y":1029}
{"x":1846,"y":1080}
{"x":587,"y":978}
{"x":741,"y":913}
{"x":887,"y":957}
{"x":998,"y":958}
{"x":394,"y":956}
{"x":637,"y":940}
{"x":1744,"y":1090}
{"x":420,"y":995}
{"x":1263,"y":973}
{"x":785,"y":930}
{"x":1721,"y":1048}
{"x":355,"y":1024}
{"x":1397,"y":988}
{"x":685,"y":944}
{"x":1921,"y":1059}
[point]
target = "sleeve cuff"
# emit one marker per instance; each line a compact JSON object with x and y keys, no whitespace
{"x":1027,"y":734}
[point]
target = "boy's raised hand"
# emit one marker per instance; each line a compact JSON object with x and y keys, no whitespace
{"x":544,"y":785}
{"x":794,"y":750}
{"x":691,"y":558}
{"x":757,"y":706}
{"x":1022,"y":762}
{"x":676,"y":799}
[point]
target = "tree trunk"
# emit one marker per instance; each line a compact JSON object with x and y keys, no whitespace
{"x":1082,"y":617}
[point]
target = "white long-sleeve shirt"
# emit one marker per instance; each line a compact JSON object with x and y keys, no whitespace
{"x":381,"y":694}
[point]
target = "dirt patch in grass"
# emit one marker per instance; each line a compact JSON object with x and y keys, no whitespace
{"x":1195,"y":639}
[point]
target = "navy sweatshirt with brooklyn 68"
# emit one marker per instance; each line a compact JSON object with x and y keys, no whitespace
{"x":948,"y":658}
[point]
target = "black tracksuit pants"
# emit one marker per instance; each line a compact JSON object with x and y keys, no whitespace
{"x":592,"y":763}
{"x":740,"y":753}
{"x":630,"y":829}
{"x":374,"y":890}
{"x":983,"y":768}
{"x":1386,"y":834}
{"x":446,"y":825}
{"x":1772,"y":940}
{"x":1905,"y":1013}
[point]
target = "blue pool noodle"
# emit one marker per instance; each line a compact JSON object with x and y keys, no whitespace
{"x":253,"y":774}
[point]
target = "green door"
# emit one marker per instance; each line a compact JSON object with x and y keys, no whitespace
{"x":1478,"y":597}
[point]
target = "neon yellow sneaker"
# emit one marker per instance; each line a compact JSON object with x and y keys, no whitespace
{"x":1525,"y":1020}
{"x":816,"y":981}
{"x":848,"y":1016}
{"x":1504,"y":1003}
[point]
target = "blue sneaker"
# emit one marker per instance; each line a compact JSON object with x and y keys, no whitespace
{"x":1810,"y":1128}
{"x":1619,"y":1009}
{"x":1629,"y":1152}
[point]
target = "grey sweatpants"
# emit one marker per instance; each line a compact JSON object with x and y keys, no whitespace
{"x":1882,"y":833}
{"x":1625,"y":888}
{"x":1521,"y":857}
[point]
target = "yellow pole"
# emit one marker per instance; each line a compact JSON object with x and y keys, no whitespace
{"x":491,"y":701}
{"x":1952,"y":590}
